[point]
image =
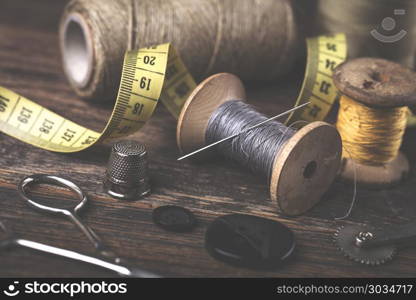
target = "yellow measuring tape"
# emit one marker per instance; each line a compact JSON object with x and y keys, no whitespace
{"x":325,"y":53}
{"x":151,"y":74}
{"x":148,"y":75}
{"x":411,"y":119}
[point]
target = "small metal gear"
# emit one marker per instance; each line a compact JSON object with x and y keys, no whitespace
{"x":345,"y":238}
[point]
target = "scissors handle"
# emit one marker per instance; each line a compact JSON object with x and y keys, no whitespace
{"x":72,"y":214}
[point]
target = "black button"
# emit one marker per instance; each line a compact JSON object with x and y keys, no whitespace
{"x":249,"y":241}
{"x":174,"y":218}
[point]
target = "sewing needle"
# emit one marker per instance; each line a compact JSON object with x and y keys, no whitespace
{"x":243,"y":131}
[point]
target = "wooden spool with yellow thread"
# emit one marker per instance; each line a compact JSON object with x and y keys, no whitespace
{"x":372,"y":119}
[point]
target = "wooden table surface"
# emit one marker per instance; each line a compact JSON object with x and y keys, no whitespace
{"x":30,"y":65}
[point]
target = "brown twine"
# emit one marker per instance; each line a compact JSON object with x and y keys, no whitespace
{"x":252,"y":38}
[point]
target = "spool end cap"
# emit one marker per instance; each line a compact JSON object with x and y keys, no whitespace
{"x":305,"y":168}
{"x":380,"y":176}
{"x":198,"y":108}
{"x":376,"y":82}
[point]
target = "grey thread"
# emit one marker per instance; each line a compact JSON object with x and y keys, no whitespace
{"x":247,"y":129}
{"x":255,"y":149}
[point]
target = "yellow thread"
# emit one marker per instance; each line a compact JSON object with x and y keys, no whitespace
{"x":372,"y":136}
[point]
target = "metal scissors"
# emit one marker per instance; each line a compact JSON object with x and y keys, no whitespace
{"x":105,"y":257}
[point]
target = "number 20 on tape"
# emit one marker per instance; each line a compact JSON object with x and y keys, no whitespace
{"x":148,"y":75}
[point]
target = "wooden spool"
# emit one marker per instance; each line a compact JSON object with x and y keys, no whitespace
{"x":303,"y":169}
{"x":391,"y":85}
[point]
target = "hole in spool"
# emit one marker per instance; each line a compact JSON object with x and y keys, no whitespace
{"x":310,"y":169}
{"x":77,"y":50}
{"x":376,"y":76}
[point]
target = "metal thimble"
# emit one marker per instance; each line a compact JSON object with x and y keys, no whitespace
{"x":127,"y":172}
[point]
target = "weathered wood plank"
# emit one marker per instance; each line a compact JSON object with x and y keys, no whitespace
{"x":30,"y":65}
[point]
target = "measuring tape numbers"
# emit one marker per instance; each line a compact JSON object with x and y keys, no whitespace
{"x":325,"y":53}
{"x":148,"y":75}
{"x":154,"y":73}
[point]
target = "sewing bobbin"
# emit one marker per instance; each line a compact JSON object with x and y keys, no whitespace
{"x":303,"y":168}
{"x":372,"y":119}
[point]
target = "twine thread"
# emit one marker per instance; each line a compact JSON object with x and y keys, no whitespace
{"x":255,"y":39}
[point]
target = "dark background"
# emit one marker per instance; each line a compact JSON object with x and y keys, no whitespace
{"x":30,"y":65}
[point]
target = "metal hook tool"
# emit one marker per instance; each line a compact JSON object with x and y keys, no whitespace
{"x":101,"y":249}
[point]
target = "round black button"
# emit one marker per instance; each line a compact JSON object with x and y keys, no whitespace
{"x":249,"y":241}
{"x":174,"y":218}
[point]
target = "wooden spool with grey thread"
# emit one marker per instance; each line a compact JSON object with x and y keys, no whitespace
{"x":302,"y":170}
